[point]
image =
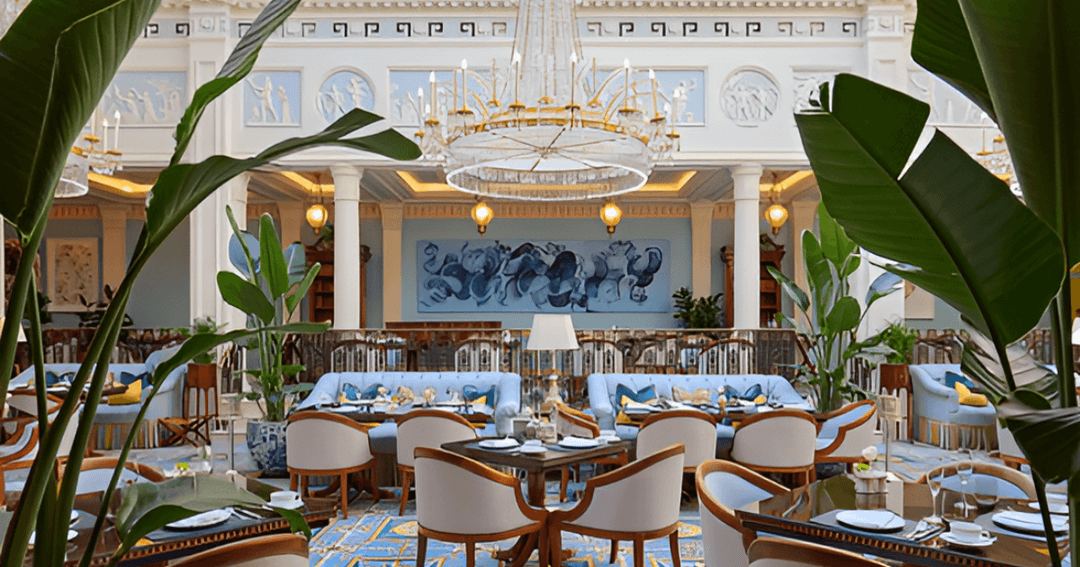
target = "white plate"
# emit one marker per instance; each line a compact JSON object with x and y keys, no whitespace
{"x":532,"y":449}
{"x":204,"y":520}
{"x":1055,"y":507}
{"x":504,"y":443}
{"x":578,"y":443}
{"x":72,"y":534}
{"x":982,"y":542}
{"x":1029,"y":522}
{"x":609,"y":438}
{"x":871,"y":520}
{"x":74,"y":517}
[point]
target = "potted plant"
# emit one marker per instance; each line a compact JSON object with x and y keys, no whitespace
{"x":830,"y":317}
{"x":900,"y":339}
{"x":700,"y":313}
{"x":204,"y":366}
{"x":269,"y":288}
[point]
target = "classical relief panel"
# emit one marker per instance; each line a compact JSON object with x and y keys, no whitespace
{"x":342,"y":92}
{"x":272,"y":98}
{"x":146,"y":98}
{"x":749,"y":97}
{"x":807,"y":89}
{"x":73,"y":273}
{"x":947,"y":105}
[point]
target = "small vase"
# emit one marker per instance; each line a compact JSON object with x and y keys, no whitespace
{"x":266,"y":443}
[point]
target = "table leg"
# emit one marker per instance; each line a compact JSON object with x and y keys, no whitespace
{"x":522,"y":548}
{"x":536,"y":488}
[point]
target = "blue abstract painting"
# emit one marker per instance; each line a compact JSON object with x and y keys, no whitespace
{"x":560,"y":276}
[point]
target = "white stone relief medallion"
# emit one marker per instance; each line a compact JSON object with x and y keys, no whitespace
{"x":342,"y":92}
{"x":749,"y":98}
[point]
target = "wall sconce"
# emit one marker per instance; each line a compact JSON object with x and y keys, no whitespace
{"x":611,"y":214}
{"x":316,"y":214}
{"x":482,"y":215}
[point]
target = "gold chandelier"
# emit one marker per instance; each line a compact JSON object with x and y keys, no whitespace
{"x":546,"y":126}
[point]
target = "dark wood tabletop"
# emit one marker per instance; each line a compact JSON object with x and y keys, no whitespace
{"x":805,"y":514}
{"x":554,"y":458}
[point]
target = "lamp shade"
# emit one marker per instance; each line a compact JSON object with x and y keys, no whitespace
{"x":552,"y":332}
{"x":22,"y":335}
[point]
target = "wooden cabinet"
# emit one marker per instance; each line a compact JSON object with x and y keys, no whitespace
{"x":321,"y":292}
{"x":770,"y":291}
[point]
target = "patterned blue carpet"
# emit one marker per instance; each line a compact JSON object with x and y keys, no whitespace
{"x":375,"y":536}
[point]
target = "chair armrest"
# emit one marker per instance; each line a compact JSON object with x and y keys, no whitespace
{"x":326,"y":384}
{"x":936,"y":389}
{"x":599,"y":401}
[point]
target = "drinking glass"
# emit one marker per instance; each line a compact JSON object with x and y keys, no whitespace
{"x":934,"y":481}
{"x":964,"y":470}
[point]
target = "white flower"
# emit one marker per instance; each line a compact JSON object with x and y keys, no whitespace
{"x":870,"y":453}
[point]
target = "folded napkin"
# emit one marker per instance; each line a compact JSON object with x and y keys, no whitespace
{"x":1029,"y":521}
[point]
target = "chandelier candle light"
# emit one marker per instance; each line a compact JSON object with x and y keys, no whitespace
{"x":559,"y":133}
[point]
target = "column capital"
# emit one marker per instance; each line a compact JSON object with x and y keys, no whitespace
{"x":701,"y":207}
{"x":346,"y":181}
{"x":113,"y":216}
{"x":747,"y":180}
{"x":392,"y":215}
{"x":747,"y":169}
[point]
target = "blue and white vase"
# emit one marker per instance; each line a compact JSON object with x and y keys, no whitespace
{"x":266,"y":443}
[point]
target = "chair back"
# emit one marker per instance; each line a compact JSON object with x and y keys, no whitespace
{"x":323,"y":441}
{"x":280,"y":550}
{"x":770,"y":552}
{"x":696,"y":430}
{"x":69,"y":434}
{"x":988,"y":479}
{"x":722,"y":488}
{"x":199,"y":403}
{"x":780,"y":439}
{"x":640,"y":497}
{"x":847,"y":431}
{"x":429,"y":428}
{"x":95,"y":474}
{"x":1007,"y":445}
{"x":569,"y":421}
{"x":26,"y":403}
{"x":458,"y":495}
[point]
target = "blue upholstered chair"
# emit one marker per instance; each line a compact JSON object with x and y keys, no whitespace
{"x":846,"y":432}
{"x":939,"y":418}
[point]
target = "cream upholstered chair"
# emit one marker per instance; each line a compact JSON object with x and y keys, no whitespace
{"x":987,"y":479}
{"x":846,"y":432}
{"x":22,"y":446}
{"x":569,"y":421}
{"x":426,"y":428}
{"x":771,"y":552}
{"x":25,"y":402}
{"x":779,"y":441}
{"x":637,"y":502}
{"x":96,"y":473}
{"x":280,"y":550}
{"x":328,"y":444}
{"x":696,"y":430}
{"x":723,"y":487}
{"x":462,"y":501}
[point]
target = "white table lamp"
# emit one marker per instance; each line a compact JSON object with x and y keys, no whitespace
{"x":552,"y":332}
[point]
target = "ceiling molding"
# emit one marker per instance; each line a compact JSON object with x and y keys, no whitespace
{"x":542,"y":210}
{"x":74,"y":212}
{"x":473,"y":5}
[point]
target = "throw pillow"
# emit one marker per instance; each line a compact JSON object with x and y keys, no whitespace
{"x":474,"y":396}
{"x":952,"y":378}
{"x":353,"y":394}
{"x":969,"y":399}
{"x":623,"y":394}
{"x":126,"y":378}
{"x":753,"y":393}
{"x":133,"y":395}
{"x":54,"y":379}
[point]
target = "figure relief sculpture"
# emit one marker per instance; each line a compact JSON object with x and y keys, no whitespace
{"x":749,"y":98}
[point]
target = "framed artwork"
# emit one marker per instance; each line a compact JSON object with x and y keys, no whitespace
{"x":73,"y":272}
{"x":541,"y":276}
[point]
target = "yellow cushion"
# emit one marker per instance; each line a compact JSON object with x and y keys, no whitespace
{"x":969,"y":399}
{"x":481,"y":400}
{"x":760,"y":400}
{"x":133,"y":395}
{"x":623,"y":419}
{"x":625,"y":399}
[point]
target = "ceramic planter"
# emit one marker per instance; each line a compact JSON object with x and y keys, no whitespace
{"x":266,"y":443}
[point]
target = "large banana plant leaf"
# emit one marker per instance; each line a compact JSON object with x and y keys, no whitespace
{"x":998,"y":264}
{"x":941,"y":44}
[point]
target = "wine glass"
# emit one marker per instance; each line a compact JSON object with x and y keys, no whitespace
{"x":964,"y":470}
{"x":934,"y":480}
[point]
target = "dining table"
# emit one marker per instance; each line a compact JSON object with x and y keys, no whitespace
{"x":809,"y":513}
{"x":165,"y":544}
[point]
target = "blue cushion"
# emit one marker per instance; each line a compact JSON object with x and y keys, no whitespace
{"x":127,"y":378}
{"x":951,"y":378}
{"x":752,"y":392}
{"x":471,"y":393}
{"x":352,"y":393}
{"x":643,"y":395}
{"x":51,"y":378}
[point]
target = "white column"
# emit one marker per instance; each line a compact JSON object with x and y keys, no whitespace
{"x":346,"y":246}
{"x":113,"y":244}
{"x":210,"y":234}
{"x":701,"y":216}
{"x":747,"y":278}
{"x":887,"y":63}
{"x":802,"y":219}
{"x":392,"y":215}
